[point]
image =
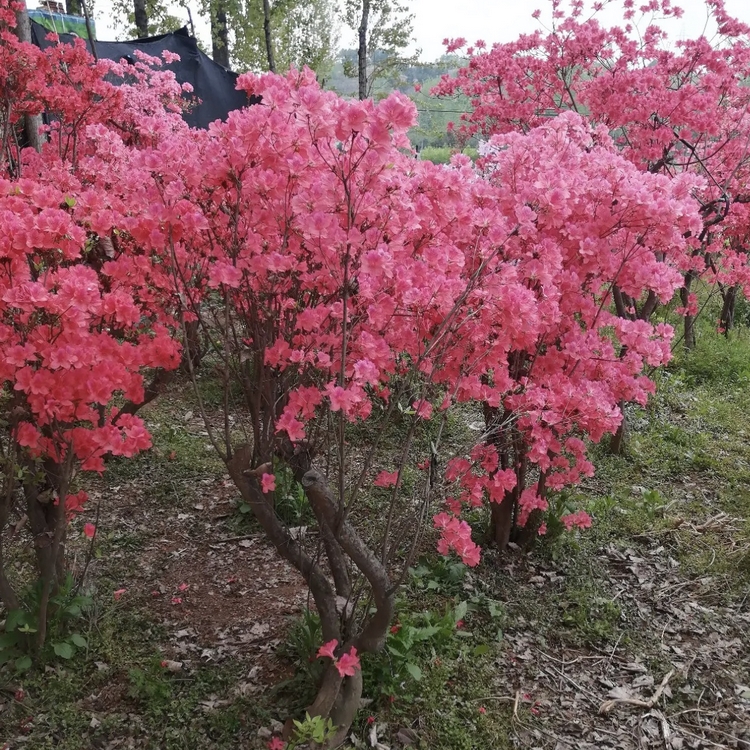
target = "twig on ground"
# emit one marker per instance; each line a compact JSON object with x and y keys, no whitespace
{"x":607,"y":706}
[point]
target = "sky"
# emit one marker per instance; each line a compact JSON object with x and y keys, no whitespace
{"x":489,"y":20}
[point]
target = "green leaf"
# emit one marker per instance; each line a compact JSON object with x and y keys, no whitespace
{"x":245,"y":508}
{"x":460,"y":611}
{"x":64,"y":649}
{"x":495,"y":610}
{"x":414,"y":671}
{"x":481,"y":649}
{"x":70,"y":201}
{"x":8,"y":640}
{"x":424,"y":634}
{"x":79,"y":640}
{"x":8,"y":655}
{"x":26,"y":629}
{"x":23,"y":663}
{"x":15,"y":618}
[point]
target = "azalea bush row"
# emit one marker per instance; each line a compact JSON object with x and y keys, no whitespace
{"x":346,"y":291}
{"x":672,"y":107}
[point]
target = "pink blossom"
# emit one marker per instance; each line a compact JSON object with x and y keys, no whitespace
{"x":580,"y":519}
{"x":386,"y":479}
{"x":268,"y":483}
{"x":348,"y":663}
{"x":328,"y":649}
{"x":422,"y":408}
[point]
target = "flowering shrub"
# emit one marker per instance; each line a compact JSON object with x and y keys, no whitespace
{"x":81,"y":320}
{"x":553,"y":362}
{"x":344,"y":284}
{"x":669,"y":110}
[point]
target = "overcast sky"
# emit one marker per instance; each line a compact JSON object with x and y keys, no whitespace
{"x":490,"y":20}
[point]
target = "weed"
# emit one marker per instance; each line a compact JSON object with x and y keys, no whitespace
{"x":66,"y":611}
{"x":439,"y":574}
{"x":304,"y":639}
{"x":149,"y":686}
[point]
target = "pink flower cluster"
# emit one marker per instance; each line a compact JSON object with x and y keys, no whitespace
{"x":456,"y":535}
{"x":347,"y":664}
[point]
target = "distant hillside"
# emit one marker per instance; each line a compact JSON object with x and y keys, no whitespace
{"x":434,"y":114}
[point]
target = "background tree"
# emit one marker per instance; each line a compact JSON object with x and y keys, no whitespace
{"x":267,"y":35}
{"x":217,"y":10}
{"x":142,"y":18}
{"x":384,"y":31}
{"x":287,"y":33}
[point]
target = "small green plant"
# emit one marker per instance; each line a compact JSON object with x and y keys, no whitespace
{"x":593,"y":617}
{"x":291,"y":502}
{"x":150,"y":686}
{"x":66,"y":608}
{"x":301,"y":649}
{"x":410,"y":641}
{"x":561,"y":504}
{"x":312,"y":729}
{"x":441,"y":575}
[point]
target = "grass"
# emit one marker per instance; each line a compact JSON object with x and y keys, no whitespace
{"x":686,"y":461}
{"x":120,"y":689}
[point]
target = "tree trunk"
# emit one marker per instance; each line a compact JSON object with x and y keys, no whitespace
{"x":337,"y":697}
{"x":501,"y":520}
{"x":32,"y":123}
{"x":73,"y":7}
{"x":141,"y":17}
{"x":220,"y":35}
{"x":617,"y":442}
{"x":362,"y":51}
{"x":267,"y":34}
{"x":726,"y":321}
{"x":689,"y":320}
{"x":191,"y":348}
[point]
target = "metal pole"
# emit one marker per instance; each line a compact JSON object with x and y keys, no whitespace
{"x":190,"y":19}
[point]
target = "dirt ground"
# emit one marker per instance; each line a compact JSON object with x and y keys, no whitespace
{"x":620,"y":641}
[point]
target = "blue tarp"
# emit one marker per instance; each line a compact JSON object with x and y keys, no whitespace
{"x":213,"y":84}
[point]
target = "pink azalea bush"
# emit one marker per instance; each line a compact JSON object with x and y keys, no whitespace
{"x":82,"y":321}
{"x":670,"y":108}
{"x":344,"y":287}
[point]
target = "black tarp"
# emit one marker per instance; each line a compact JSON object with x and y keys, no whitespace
{"x":213,"y":84}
